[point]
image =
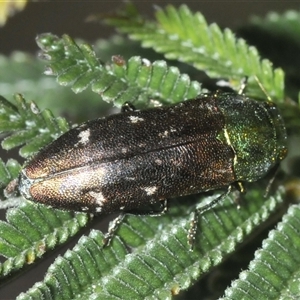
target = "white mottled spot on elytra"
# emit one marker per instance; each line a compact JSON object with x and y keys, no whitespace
{"x":164,"y":134}
{"x":81,"y":179}
{"x":158,"y":161}
{"x":155,"y":103}
{"x":124,"y":150}
{"x":84,"y":136}
{"x":173,"y":130}
{"x":135,"y":119}
{"x":150,"y":190}
{"x":99,"y":198}
{"x":122,"y":207}
{"x":84,"y":208}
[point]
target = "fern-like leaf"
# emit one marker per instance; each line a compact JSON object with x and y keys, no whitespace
{"x":277,"y":37}
{"x":191,"y":40}
{"x":136,"y":81}
{"x":160,"y":262}
{"x":21,"y":72}
{"x":274,"y":272}
{"x":31,"y":230}
{"x":23,"y":123}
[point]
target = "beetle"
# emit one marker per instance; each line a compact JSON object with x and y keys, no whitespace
{"x":125,"y":161}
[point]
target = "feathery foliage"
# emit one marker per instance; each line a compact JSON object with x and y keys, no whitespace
{"x":206,"y":47}
{"x":283,"y":47}
{"x":31,"y":231}
{"x":159,"y":262}
{"x":25,"y":124}
{"x":149,"y":256}
{"x":22,"y":72}
{"x":119,"y":81}
{"x":279,"y":252}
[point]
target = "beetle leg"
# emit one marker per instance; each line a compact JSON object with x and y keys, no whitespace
{"x":243,"y":85}
{"x":127,"y":106}
{"x":112,"y":228}
{"x":226,"y":84}
{"x":273,"y":175}
{"x":114,"y":225}
{"x":199,"y":210}
{"x":163,"y":210}
{"x":242,"y":190}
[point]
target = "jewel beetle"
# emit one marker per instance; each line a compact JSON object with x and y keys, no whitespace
{"x":125,"y":161}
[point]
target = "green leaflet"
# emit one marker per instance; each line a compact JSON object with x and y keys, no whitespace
{"x":191,"y":40}
{"x":22,"y":73}
{"x":160,"y":260}
{"x":136,"y":80}
{"x":32,"y":230}
{"x":275,"y":271}
{"x":25,"y":124}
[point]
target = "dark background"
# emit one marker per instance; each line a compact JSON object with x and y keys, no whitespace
{"x":60,"y":17}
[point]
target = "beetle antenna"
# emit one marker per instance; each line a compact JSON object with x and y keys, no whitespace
{"x":262,"y":88}
{"x":243,"y":85}
{"x":199,"y":211}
